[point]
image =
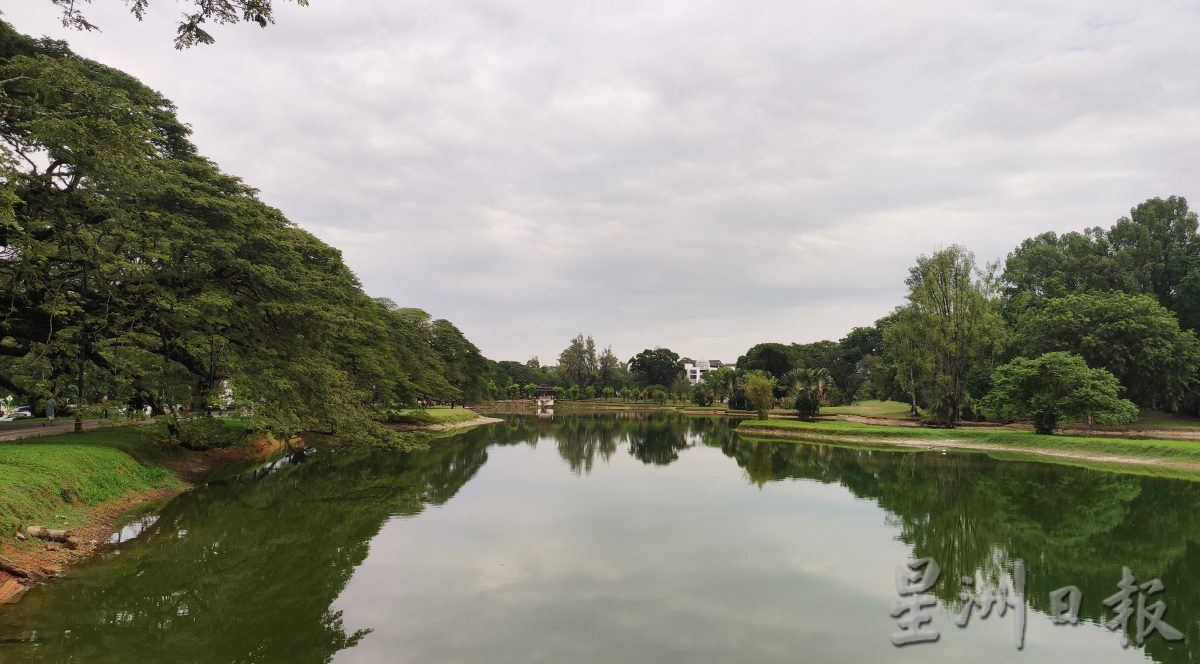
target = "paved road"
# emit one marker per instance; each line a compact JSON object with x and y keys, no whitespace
{"x":10,"y":431}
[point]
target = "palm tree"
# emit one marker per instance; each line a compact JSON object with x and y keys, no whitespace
{"x":808,"y":380}
{"x":821,"y":380}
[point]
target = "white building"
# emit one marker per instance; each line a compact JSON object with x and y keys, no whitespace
{"x":694,"y":369}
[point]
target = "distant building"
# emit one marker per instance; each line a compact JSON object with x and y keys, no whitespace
{"x":694,"y":369}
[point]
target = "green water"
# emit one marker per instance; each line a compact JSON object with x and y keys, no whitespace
{"x":651,"y":538}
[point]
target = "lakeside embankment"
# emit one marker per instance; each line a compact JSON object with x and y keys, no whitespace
{"x":1179,"y":458}
{"x":437,"y":419}
{"x":81,"y":483}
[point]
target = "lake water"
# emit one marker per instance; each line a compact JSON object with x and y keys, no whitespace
{"x":618,"y":538}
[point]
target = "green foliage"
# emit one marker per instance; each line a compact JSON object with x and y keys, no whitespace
{"x":67,"y":475}
{"x":138,"y":271}
{"x":519,"y":373}
{"x":431,"y":416}
{"x":200,"y":432}
{"x":807,"y":404}
{"x":702,"y":394}
{"x":953,"y":329}
{"x":577,"y":364}
{"x":773,"y":358}
{"x":721,"y":381}
{"x":872,"y":408}
{"x":659,"y":366}
{"x":1131,"y":336}
{"x":1154,"y":251}
{"x":1056,"y":386}
{"x":760,"y":391}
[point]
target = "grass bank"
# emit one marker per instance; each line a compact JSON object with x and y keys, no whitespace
{"x":1178,"y":454}
{"x":81,"y":482}
{"x":433,"y":415}
{"x":57,"y":480}
{"x":889,"y":409}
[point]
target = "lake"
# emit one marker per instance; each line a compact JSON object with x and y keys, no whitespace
{"x":628,"y":537}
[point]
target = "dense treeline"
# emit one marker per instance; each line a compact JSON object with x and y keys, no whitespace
{"x":135,"y":272}
{"x":583,"y":373}
{"x":1027,"y":340}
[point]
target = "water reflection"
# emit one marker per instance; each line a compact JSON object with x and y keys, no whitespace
{"x":974,"y":513}
{"x":256,"y":568}
{"x":252,"y":569}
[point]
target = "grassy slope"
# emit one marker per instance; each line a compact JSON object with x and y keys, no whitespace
{"x":437,"y":415}
{"x":1149,"y":420}
{"x":1167,"y":450}
{"x":43,"y":479}
{"x":869,"y":409}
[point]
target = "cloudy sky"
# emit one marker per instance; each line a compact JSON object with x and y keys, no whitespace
{"x":702,"y":175}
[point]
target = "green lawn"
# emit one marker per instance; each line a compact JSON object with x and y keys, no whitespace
{"x":894,"y":409}
{"x":433,"y":415}
{"x":1150,"y":420}
{"x":1165,"y":450}
{"x":45,"y":479}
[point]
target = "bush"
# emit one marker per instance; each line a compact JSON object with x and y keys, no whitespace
{"x":807,"y":404}
{"x":1055,"y":386}
{"x":417,"y":416}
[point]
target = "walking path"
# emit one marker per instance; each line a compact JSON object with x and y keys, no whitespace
{"x":10,"y":431}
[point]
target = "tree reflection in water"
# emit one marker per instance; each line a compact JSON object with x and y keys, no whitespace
{"x":249,"y":569}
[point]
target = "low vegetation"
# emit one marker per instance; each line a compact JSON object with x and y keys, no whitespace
{"x":870,"y":408}
{"x":431,"y":416}
{"x":1171,"y":451}
{"x":57,"y":480}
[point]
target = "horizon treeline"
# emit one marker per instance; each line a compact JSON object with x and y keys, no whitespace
{"x":1123,"y":299}
{"x":135,"y":272}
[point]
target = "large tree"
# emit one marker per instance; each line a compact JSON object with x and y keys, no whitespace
{"x":954,"y":326}
{"x":1154,"y":251}
{"x":131,"y":264}
{"x":577,"y":363}
{"x":773,"y":358}
{"x":1057,"y":386}
{"x":659,"y":366}
{"x":1132,"y":336}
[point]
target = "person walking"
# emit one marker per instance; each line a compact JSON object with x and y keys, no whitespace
{"x":51,"y":406}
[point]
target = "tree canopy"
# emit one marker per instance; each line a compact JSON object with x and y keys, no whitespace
{"x":1132,"y":336}
{"x":1054,"y":386}
{"x":135,"y":269}
{"x":659,"y":366}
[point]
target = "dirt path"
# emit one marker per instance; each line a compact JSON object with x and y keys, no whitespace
{"x":449,"y":426}
{"x":10,"y":431}
{"x":768,"y":432}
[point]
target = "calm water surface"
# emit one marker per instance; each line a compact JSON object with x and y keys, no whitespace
{"x":631,"y":538}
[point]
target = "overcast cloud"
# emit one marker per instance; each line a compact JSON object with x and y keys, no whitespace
{"x":702,"y":175}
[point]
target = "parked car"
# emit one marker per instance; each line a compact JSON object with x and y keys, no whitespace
{"x":21,"y":411}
